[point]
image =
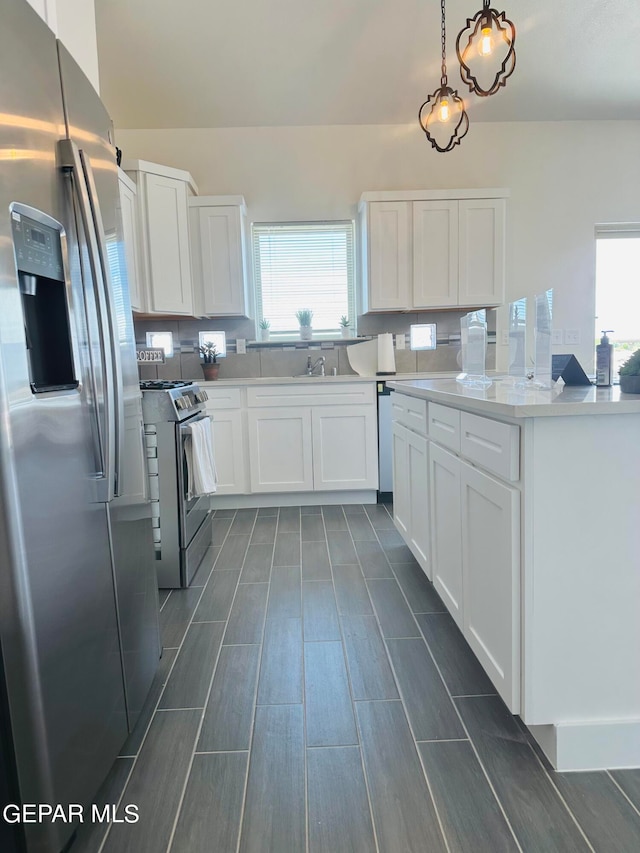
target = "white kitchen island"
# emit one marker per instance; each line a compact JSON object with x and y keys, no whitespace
{"x":523,"y":507}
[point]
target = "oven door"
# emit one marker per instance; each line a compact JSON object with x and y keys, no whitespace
{"x":192,"y":513}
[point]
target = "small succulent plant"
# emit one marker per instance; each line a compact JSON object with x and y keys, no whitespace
{"x":304,"y":316}
{"x":209,"y":352}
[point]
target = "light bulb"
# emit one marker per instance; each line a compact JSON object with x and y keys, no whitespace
{"x":444,"y":113}
{"x":485,"y":48}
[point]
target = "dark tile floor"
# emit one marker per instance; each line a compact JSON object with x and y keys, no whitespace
{"x":315,"y":696}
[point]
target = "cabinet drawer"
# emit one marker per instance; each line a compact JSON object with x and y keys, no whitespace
{"x":222,"y":398}
{"x":492,"y":445}
{"x":410,"y":412}
{"x":444,"y":426}
{"x":312,"y":393}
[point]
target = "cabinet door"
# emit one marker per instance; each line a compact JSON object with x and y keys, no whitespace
{"x":389,"y":256}
{"x":345,"y":449}
{"x":435,"y":254}
{"x":168,"y":245}
{"x":446,"y":551}
{"x":280,"y":450}
{"x":222,"y":255}
{"x":131,"y":243}
{"x":491,"y":578}
{"x":229,"y":451}
{"x":400,"y":459}
{"x":418,"y":481}
{"x":481,"y":252}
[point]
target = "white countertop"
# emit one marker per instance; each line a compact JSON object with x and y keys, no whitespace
{"x":503,"y":398}
{"x":314,"y":380}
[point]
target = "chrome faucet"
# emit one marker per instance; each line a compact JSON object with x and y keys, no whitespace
{"x":311,"y":367}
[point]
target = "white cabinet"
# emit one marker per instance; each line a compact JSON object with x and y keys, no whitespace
{"x":435,"y":253}
{"x":481,"y":252}
{"x":229,"y":445}
{"x":444,"y":480}
{"x":411,"y":492}
{"x":312,"y":437}
{"x":389,"y":256}
{"x":162,"y":196}
{"x":218,"y":252}
{"x":345,"y":450}
{"x":432,"y":249}
{"x":490,"y":514}
{"x":131,"y":239}
{"x":280,"y":449}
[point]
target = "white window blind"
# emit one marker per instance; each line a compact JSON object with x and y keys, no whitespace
{"x":304,"y":265}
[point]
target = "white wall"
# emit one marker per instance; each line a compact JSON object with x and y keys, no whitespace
{"x":74,"y":23}
{"x":77,"y":31}
{"x":564,"y":178}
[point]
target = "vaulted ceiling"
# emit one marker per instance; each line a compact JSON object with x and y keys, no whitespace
{"x":209,"y":63}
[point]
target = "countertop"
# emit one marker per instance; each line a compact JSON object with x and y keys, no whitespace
{"x":502,"y":397}
{"x":303,"y":380}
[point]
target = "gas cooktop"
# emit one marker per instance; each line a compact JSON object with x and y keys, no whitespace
{"x":163,"y":384}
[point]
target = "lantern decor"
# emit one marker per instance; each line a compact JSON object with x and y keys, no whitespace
{"x":486,"y":51}
{"x":442,"y":116}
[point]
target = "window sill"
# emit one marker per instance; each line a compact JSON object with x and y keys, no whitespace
{"x":315,"y":343}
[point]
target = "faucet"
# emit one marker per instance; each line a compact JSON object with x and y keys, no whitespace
{"x":311,"y":367}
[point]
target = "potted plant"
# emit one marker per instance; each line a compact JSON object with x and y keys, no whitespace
{"x":265,"y":325}
{"x":630,"y":374}
{"x":210,"y":366}
{"x":344,"y":326}
{"x":304,"y":318}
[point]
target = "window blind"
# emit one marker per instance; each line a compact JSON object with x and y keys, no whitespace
{"x":304,"y":265}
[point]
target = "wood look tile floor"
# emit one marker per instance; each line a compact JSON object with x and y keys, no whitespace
{"x":315,"y":697}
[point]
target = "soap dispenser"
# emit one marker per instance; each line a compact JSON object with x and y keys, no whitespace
{"x":604,"y":360}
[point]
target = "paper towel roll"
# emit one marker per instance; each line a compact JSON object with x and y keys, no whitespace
{"x":386,"y":359}
{"x":363,"y":357}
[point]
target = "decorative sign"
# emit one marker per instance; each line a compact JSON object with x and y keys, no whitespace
{"x":150,"y":355}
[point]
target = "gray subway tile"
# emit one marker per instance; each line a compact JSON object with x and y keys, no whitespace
{"x":191,"y":675}
{"x":461,"y":670}
{"x":351,"y":591}
{"x":371,"y":675}
{"x":320,"y":611}
{"x":246,"y":619}
{"x":396,"y":620}
{"x":315,"y":561}
{"x":229,"y":712}
{"x":328,"y":707}
{"x":215,"y":604}
{"x":284,"y":593}
{"x":281,"y":667}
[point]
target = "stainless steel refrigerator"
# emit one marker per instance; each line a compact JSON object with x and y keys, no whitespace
{"x":78,"y":596}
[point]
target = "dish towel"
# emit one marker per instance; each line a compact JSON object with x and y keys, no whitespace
{"x":201,"y":467}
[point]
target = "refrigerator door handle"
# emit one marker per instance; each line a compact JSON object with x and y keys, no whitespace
{"x":114,"y":350}
{"x":70,"y":161}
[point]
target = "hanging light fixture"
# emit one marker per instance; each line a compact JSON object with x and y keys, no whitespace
{"x":486,"y":51}
{"x":442,"y":116}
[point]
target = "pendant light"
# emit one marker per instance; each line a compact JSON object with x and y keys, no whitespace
{"x":486,"y":51}
{"x":442,"y":116}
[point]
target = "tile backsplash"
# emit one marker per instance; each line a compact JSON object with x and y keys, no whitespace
{"x":291,"y":360}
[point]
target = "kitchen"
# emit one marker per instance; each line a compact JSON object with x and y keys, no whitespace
{"x":311,"y":158}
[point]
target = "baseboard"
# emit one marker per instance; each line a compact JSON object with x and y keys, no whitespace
{"x":590,"y":746}
{"x":368,"y":496}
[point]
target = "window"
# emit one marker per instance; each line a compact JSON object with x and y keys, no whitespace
{"x":618,"y":289}
{"x":219,"y":339}
{"x":304,"y":265}
{"x":161,"y":340}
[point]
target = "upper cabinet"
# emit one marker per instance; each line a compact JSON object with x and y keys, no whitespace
{"x":432,"y":249}
{"x":131,"y":239}
{"x":163,"y":214}
{"x":218,"y":253}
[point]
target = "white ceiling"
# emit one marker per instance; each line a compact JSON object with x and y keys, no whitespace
{"x":209,"y":63}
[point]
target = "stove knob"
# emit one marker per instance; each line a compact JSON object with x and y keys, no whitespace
{"x":181,"y":403}
{"x":187,"y":402}
{"x":203,"y":396}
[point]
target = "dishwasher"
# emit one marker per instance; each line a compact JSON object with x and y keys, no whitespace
{"x":385,"y":466}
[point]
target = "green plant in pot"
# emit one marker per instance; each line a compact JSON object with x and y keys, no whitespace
{"x":265,"y":327}
{"x":344,"y":326}
{"x":305,"y":315}
{"x":210,"y":366}
{"x":630,"y":374}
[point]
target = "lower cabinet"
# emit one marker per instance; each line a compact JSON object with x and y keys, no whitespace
{"x":490,"y":524}
{"x":280,"y":450}
{"x":444,"y":478}
{"x":345,"y":449}
{"x":411,"y":492}
{"x":229,"y":452}
{"x":318,"y":448}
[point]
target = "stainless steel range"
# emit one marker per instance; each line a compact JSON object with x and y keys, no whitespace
{"x":181,"y":526}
